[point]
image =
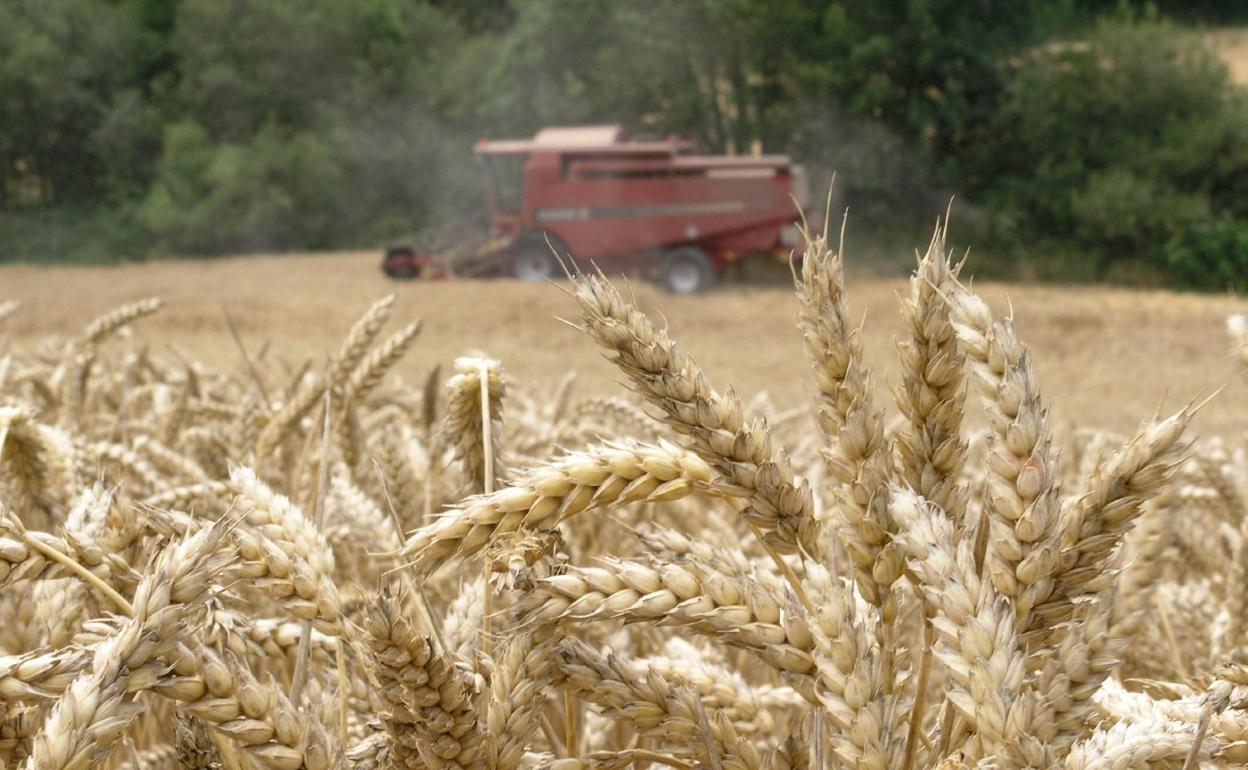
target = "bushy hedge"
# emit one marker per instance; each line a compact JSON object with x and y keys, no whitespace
{"x":1129,"y":146}
{"x":1211,"y":255}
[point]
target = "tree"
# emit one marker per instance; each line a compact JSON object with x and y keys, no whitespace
{"x":1119,"y":142}
{"x":71,"y":106}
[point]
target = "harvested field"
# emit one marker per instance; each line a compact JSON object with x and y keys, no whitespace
{"x":1105,"y":357}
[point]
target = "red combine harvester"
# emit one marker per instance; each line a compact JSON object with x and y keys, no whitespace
{"x":655,"y":209}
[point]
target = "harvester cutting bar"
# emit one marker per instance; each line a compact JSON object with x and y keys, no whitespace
{"x":486,"y":259}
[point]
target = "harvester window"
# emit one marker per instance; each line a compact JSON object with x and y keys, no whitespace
{"x":505,"y":177}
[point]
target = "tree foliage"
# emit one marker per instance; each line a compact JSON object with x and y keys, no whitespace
{"x":1119,"y":143}
{"x":208,"y":126}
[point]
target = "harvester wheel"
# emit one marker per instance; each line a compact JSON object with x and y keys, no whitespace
{"x":401,"y":262}
{"x":534,"y":260}
{"x":687,"y":270}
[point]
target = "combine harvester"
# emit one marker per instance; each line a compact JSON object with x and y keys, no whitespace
{"x":656,"y":210}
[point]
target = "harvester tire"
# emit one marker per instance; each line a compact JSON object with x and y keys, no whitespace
{"x":400,"y":262}
{"x":687,"y":270}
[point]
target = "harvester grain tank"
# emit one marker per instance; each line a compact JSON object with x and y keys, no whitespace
{"x":657,"y":209}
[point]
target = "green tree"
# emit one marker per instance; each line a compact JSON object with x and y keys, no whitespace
{"x":72,"y":113}
{"x":1119,"y":142}
{"x":275,"y":192}
{"x":305,"y":124}
{"x":929,"y":69}
{"x":714,"y":69}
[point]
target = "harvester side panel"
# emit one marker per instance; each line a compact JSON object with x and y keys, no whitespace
{"x":608,"y":206}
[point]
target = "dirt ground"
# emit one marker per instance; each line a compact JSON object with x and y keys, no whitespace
{"x":1106,"y":358}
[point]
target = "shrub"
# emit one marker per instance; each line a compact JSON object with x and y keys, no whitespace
{"x":274,"y":192}
{"x":1119,"y":143}
{"x":1213,"y":255}
{"x":1124,"y":216}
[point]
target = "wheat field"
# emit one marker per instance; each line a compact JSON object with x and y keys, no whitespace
{"x":442,"y":530}
{"x":1106,"y":357}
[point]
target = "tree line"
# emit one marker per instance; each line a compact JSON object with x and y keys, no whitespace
{"x":1086,"y":140}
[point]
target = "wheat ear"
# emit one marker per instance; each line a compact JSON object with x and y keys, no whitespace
{"x":978,"y":645}
{"x":1024,"y":486}
{"x":853,"y":688}
{"x":117,"y":319}
{"x":1154,"y":743}
{"x":463,"y":424}
{"x":95,"y":710}
{"x":369,"y":374}
{"x":932,"y":393}
{"x":305,"y":560}
{"x":857,"y":455}
{"x":674,"y":717}
{"x":516,"y":698}
{"x":355,"y":346}
{"x":714,"y":424}
{"x":258,"y":718}
{"x":609,"y":474}
{"x":1113,"y":499}
{"x":735,"y":609}
{"x":428,"y":709}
